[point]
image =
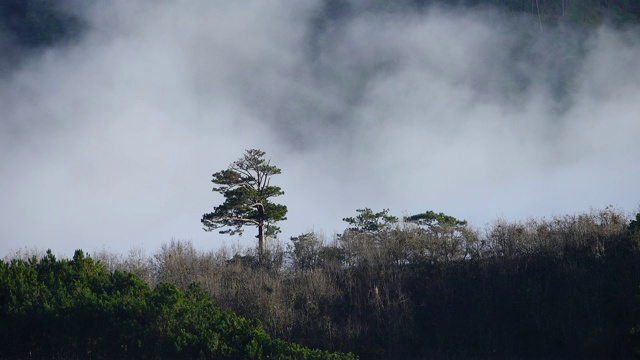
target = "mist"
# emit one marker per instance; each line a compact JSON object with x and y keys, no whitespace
{"x":110,"y":141}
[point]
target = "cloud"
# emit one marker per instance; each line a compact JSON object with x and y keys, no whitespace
{"x":111,"y":141}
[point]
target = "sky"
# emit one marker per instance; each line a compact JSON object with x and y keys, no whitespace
{"x":109,"y":142}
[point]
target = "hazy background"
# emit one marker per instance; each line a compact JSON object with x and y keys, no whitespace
{"x":109,"y":140}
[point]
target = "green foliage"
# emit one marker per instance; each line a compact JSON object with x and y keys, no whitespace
{"x":432,"y":219}
{"x":369,"y":222}
{"x":634,"y":225}
{"x":246,"y":187}
{"x":441,"y":237}
{"x":53,"y":308}
{"x":247,"y":190}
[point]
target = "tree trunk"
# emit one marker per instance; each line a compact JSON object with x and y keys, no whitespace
{"x":262,"y":242}
{"x":262,"y":237}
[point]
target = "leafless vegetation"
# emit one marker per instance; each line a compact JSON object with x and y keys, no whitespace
{"x":512,"y":287}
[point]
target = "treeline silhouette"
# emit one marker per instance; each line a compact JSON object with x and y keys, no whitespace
{"x":75,"y":309}
{"x":543,"y":288}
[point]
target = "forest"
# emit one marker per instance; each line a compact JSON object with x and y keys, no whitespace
{"x":564,"y":287}
{"x":75,"y":309}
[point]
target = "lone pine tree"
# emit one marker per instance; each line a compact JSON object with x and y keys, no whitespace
{"x":246,"y":187}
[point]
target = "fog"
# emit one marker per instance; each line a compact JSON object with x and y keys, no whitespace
{"x":110,"y":141}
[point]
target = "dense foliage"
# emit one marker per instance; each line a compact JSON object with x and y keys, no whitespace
{"x":432,"y":287}
{"x":53,"y":308}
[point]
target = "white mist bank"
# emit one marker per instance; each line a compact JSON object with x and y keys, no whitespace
{"x":111,"y":142}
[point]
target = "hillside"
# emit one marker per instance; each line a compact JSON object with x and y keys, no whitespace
{"x":564,"y":287}
{"x":53,"y":308}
